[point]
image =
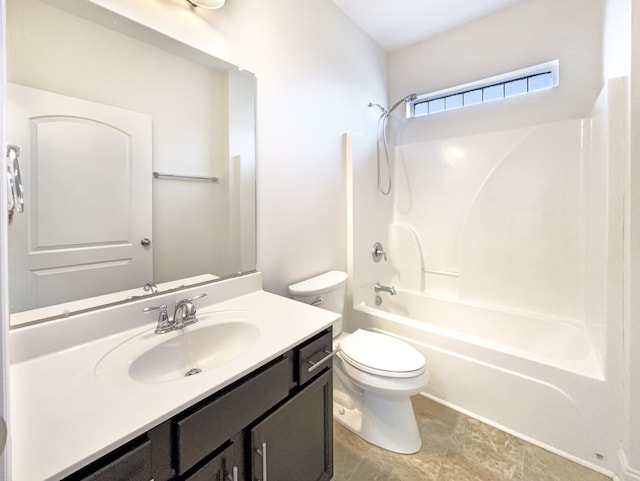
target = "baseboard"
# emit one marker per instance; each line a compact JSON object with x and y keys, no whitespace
{"x":624,"y":471}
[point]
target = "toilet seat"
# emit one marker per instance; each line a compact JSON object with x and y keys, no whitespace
{"x":381,"y":355}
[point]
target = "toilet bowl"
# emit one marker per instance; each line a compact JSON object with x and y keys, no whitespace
{"x":374,"y":374}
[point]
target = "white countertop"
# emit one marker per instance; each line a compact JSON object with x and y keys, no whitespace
{"x":65,"y":415}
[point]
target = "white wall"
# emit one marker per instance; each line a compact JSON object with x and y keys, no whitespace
{"x":523,"y":35}
{"x":621,"y":35}
{"x":316,"y":73}
{"x":631,"y":438}
{"x":5,"y":450}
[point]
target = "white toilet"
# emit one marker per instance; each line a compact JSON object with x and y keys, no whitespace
{"x":374,"y":374}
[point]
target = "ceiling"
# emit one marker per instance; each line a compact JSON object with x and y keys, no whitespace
{"x":395,"y":24}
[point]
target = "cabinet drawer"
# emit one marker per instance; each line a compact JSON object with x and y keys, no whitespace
{"x":204,"y":430}
{"x":132,"y":465}
{"x":312,"y":352}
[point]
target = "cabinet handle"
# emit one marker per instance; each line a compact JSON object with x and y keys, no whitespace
{"x":315,"y":365}
{"x":234,"y":474}
{"x":263,"y":453}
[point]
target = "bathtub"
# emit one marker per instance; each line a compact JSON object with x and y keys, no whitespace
{"x":536,"y":378}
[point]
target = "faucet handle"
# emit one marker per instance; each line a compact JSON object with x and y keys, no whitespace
{"x":164,"y":324}
{"x":162,"y":308}
{"x":199,"y":296}
{"x":190,"y":307}
{"x":378,"y":253}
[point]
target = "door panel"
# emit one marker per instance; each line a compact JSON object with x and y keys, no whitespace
{"x":87,"y":177}
{"x":76,"y":152}
{"x":296,"y":441}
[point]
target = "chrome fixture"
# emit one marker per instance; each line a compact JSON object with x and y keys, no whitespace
{"x":187,"y":311}
{"x":390,"y":289}
{"x":208,"y":4}
{"x":316,"y":364}
{"x":378,"y":253}
{"x":164,"y":325}
{"x":15,"y":194}
{"x":150,"y":286}
{"x":204,"y":178}
{"x":184,"y":314}
{"x":317,"y":301}
{"x":382,"y":134}
{"x":233,"y":476}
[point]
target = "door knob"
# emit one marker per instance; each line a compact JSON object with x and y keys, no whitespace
{"x":145,"y":242}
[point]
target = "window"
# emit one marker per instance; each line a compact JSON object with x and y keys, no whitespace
{"x":538,"y":77}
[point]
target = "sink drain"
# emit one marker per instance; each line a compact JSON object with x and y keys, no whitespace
{"x":193,"y":372}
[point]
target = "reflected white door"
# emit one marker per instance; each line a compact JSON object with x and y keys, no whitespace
{"x":87,"y":178}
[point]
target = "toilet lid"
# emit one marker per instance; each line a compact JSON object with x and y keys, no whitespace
{"x":381,"y":354}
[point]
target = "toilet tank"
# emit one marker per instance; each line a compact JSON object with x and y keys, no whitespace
{"x":326,"y":291}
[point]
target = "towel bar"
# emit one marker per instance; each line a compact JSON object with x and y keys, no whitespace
{"x":158,"y":175}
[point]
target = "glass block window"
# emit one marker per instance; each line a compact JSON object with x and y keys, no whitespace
{"x":538,"y":77}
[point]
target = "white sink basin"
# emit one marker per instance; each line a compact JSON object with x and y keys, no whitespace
{"x":216,"y":339}
{"x":194,"y":351}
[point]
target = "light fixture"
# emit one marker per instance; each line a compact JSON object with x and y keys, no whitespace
{"x":209,"y":4}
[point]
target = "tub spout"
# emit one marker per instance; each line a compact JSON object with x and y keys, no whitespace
{"x":390,"y":289}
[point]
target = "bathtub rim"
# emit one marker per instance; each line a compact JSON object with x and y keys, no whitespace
{"x":589,"y":367}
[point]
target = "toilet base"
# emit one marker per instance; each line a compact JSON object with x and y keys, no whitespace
{"x":387,"y":423}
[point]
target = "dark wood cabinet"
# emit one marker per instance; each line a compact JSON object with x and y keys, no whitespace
{"x":207,"y":426}
{"x":131,"y":462}
{"x":276,"y":420}
{"x":226,"y":465}
{"x":295,"y":442}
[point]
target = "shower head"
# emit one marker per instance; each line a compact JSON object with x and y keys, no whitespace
{"x":384,"y":111}
{"x":408,"y":98}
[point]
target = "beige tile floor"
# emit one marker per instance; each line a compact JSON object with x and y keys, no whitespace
{"x":455,"y":447}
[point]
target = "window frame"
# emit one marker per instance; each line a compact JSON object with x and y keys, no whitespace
{"x":552,"y":68}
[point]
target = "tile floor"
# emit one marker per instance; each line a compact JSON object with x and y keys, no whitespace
{"x":455,"y":448}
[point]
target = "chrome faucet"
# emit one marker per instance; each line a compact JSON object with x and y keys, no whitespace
{"x":184,"y":314}
{"x":390,"y":289}
{"x":150,"y":286}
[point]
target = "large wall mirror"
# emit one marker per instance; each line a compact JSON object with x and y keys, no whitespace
{"x":138,"y":161}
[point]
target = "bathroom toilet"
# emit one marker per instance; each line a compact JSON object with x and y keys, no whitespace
{"x":374,"y":374}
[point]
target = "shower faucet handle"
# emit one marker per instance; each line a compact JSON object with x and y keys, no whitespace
{"x":377,"y":252}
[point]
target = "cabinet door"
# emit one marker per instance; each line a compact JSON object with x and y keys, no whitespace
{"x":225,"y":466}
{"x":295,"y":442}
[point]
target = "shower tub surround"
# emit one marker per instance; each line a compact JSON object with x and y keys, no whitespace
{"x":505,"y":249}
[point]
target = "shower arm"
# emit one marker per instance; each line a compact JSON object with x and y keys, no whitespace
{"x":408,"y":98}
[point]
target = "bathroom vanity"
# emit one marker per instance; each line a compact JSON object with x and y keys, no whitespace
{"x":80,"y":412}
